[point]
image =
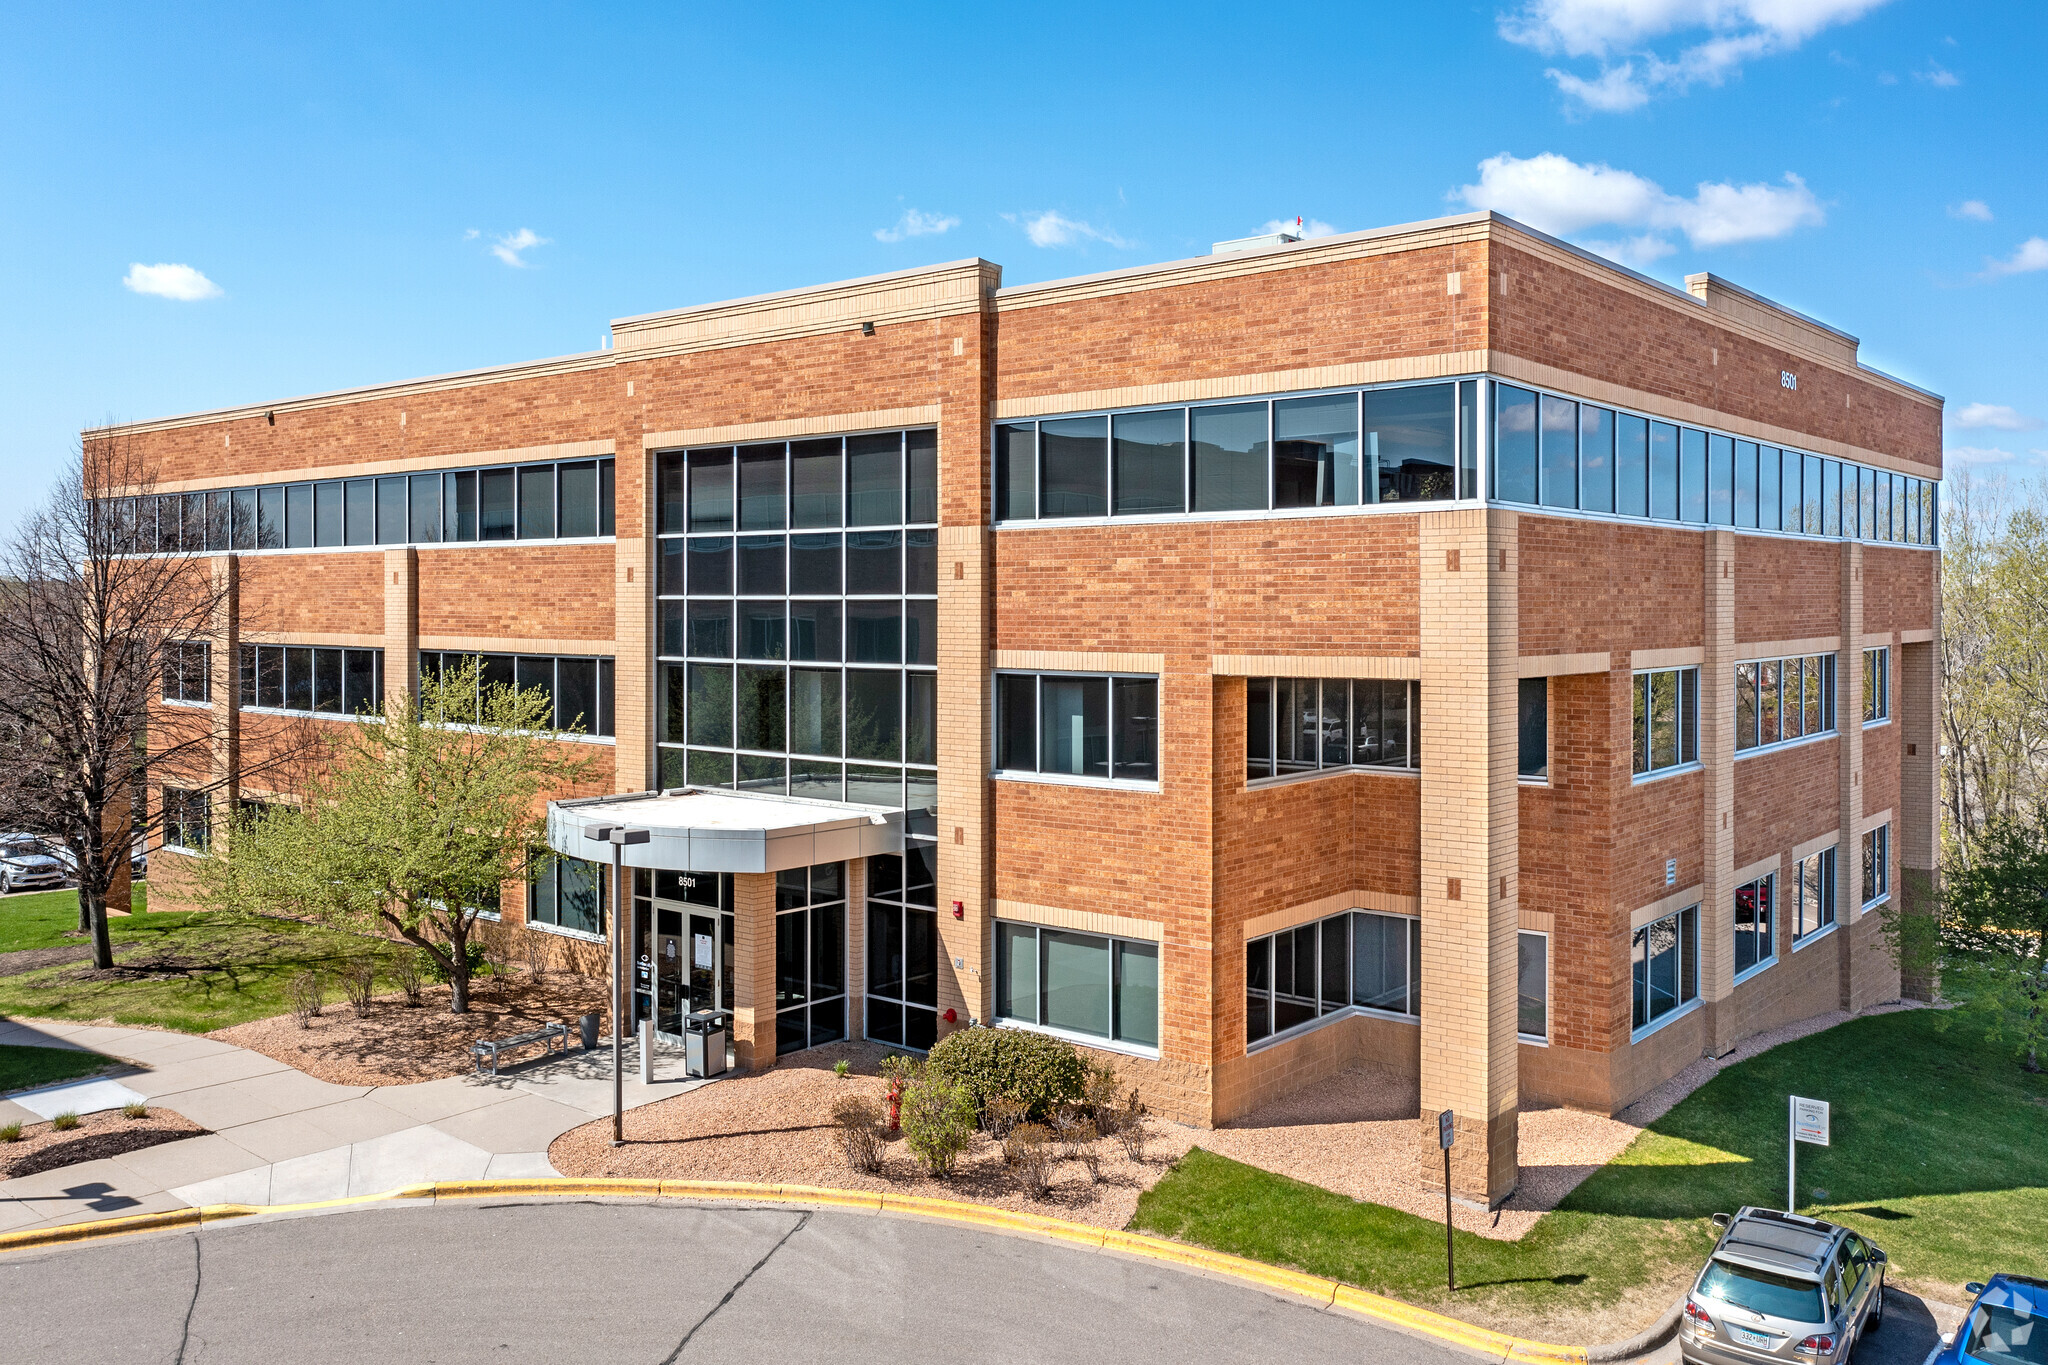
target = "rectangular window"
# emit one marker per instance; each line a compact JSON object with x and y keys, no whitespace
{"x":1755,"y":944}
{"x":578,"y":495}
{"x":424,"y":513}
{"x":1877,"y":865}
{"x":537,"y":502}
{"x":1410,"y":443}
{"x":1721,"y":480}
{"x":1315,"y":451}
{"x":1749,"y":486}
{"x":1083,"y":984}
{"x":327,"y":514}
{"x":270,"y":517}
{"x":1357,"y":960}
{"x":391,"y":527}
{"x":1596,"y":459}
{"x":1148,"y":462}
{"x":874,"y":479}
{"x":816,"y":471}
{"x":1814,"y":894}
{"x":1078,"y":725}
{"x":1692,"y":474}
{"x":497,"y":505}
{"x":188,"y":671}
{"x":1664,"y":498}
{"x":1781,"y":700}
{"x":1664,"y":967}
{"x":1230,"y":466}
{"x":1514,"y":444}
{"x":1877,"y":697}
{"x":570,"y":894}
{"x":360,"y":500}
{"x":187,"y":819}
{"x":763,"y":496}
{"x":1632,"y":466}
{"x":1666,"y":707}
{"x":1016,"y":471}
{"x":902,"y":949}
{"x":1300,"y":725}
{"x":810,"y":956}
{"x":710,"y":489}
{"x":242,"y":516}
{"x":1533,"y":729}
{"x":1558,"y":460}
{"x":459,"y":506}
{"x":1532,"y":986}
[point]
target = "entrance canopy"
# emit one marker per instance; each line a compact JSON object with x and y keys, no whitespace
{"x":711,"y":829}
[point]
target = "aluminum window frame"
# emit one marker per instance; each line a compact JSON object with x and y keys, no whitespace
{"x":1412,"y":968}
{"x":1113,"y":965}
{"x":1686,"y":740}
{"x":1038,"y":773}
{"x":1687,"y":957}
{"x":1824,"y":896}
{"x":1830,"y":718}
{"x":1877,"y":701}
{"x":1775,"y":916}
{"x":1549,"y":987}
{"x":1411,"y":736}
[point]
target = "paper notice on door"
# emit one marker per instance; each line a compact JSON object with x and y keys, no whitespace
{"x":700,"y":950}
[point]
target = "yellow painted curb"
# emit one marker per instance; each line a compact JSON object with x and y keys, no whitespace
{"x":1324,"y":1293}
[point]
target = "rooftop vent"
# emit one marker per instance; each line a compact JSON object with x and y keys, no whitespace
{"x":1264,"y":239}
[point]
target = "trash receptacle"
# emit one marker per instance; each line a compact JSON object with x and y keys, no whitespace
{"x":586,"y":1031}
{"x":704,"y":1043}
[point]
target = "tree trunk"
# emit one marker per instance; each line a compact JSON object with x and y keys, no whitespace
{"x":102,"y":945}
{"x":84,"y":909}
{"x":458,"y":970}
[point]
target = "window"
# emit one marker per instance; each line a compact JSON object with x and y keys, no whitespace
{"x":1078,"y":726}
{"x":810,"y":956}
{"x":1533,"y":729}
{"x":1666,"y":719}
{"x":1754,"y":944}
{"x":1877,"y":689}
{"x":1877,"y":865}
{"x":346,"y":682}
{"x":1302,"y":725}
{"x":1358,"y":960}
{"x":568,"y":894}
{"x":1664,"y":957}
{"x":580,"y":688}
{"x":1778,"y":701}
{"x":188,"y":819}
{"x":1813,"y":893}
{"x":1086,"y":985}
{"x":188,"y":669}
{"x":1532,"y":986}
{"x":903,"y":947}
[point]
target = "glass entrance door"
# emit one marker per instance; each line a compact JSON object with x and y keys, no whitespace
{"x":704,"y":962}
{"x":668,"y":975}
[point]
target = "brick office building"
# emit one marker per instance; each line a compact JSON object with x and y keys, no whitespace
{"x":1434,"y":645}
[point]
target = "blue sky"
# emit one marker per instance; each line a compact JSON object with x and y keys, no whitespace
{"x":237,"y":204}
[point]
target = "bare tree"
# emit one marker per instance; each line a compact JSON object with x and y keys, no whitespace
{"x":101,"y":616}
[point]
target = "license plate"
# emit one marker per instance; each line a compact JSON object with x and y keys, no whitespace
{"x":1749,"y":1338}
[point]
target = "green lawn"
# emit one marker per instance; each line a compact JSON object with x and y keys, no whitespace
{"x":211,"y":971}
{"x":43,"y":919}
{"x":25,"y":1068}
{"x":1940,"y":1155}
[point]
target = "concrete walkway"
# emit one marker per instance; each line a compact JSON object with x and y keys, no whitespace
{"x":281,"y":1137}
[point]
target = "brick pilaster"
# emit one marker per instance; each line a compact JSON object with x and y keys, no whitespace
{"x":225,"y":687}
{"x":753,"y":970}
{"x":856,"y":947}
{"x":1849,"y":723}
{"x":401,"y":625}
{"x":1717,"y":762}
{"x":1917,"y":710}
{"x":633,"y":575}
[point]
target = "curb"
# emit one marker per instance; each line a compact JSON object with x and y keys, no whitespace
{"x":1643,"y":1342}
{"x":1323,"y":1293}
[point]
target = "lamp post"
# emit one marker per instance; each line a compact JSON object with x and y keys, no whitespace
{"x":618,"y":836}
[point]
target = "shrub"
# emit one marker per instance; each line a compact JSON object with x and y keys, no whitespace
{"x":1073,"y":1131}
{"x":478,"y":957}
{"x":1040,"y":1072}
{"x":1099,"y":1091}
{"x":137,"y":1110}
{"x":359,"y":983}
{"x":1131,"y":1130}
{"x":1029,"y":1148}
{"x":938,"y":1122}
{"x":305,"y":995}
{"x":64,"y":1122}
{"x":900,"y":1072}
{"x":537,"y":959}
{"x":842,"y":1068}
{"x":1000,"y":1116}
{"x":861,"y":1136}
{"x":408,"y":973}
{"x":10,"y":1132}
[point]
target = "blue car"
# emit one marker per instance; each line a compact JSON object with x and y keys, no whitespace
{"x":2007,"y":1325}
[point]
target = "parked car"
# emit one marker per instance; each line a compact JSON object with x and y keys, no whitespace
{"x":2007,"y":1325}
{"x":1781,"y":1286}
{"x":31,"y":864}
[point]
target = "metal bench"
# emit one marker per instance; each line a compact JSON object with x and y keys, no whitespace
{"x":551,"y":1037}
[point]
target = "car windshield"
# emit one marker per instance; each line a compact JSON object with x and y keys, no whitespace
{"x":2008,"y":1331}
{"x":1761,"y":1291}
{"x":19,"y":848}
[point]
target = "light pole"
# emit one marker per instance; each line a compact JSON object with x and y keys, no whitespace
{"x":618,"y":836}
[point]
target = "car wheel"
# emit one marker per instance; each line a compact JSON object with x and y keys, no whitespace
{"x":1876,"y":1318}
{"x":6,"y":884}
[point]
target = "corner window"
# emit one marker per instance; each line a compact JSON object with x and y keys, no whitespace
{"x":1078,"y":725}
{"x":1664,"y":965}
{"x":1532,"y":986}
{"x":1358,"y":960}
{"x":570,"y":894}
{"x":1088,"y":985}
{"x":1877,"y":689}
{"x":1877,"y":865}
{"x":1303,"y":725}
{"x":187,"y":820}
{"x":1755,"y":903}
{"x":810,"y":956}
{"x":1778,"y":701}
{"x":903,"y":952}
{"x":1666,"y":709}
{"x":188,"y":665}
{"x":1813,"y":894}
{"x":1533,"y":729}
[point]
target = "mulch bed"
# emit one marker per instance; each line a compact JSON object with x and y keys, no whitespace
{"x":30,"y":959}
{"x":97,"y":1136}
{"x":398,"y":1045}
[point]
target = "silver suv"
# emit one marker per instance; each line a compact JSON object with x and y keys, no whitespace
{"x":1780,"y":1286}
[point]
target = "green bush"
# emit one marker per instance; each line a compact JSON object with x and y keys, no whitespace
{"x":479,"y":963}
{"x":938,"y":1123}
{"x":1039,"y":1072}
{"x":10,"y":1132}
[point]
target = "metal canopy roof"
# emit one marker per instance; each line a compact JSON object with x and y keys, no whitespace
{"x":700,"y":829}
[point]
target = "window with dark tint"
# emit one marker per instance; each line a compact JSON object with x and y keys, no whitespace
{"x":874,"y":711}
{"x":1315,"y":451}
{"x":761,"y":487}
{"x":1078,"y":725}
{"x":327,"y":514}
{"x":814,"y":630}
{"x":711,"y":489}
{"x":1409,"y":442}
{"x":1078,"y":983}
{"x":244,"y":530}
{"x":1073,"y":467}
{"x":361,"y":500}
{"x":761,"y":712}
{"x":902,"y":943}
{"x":1532,"y":985}
{"x":270,"y":512}
{"x":710,"y":573}
{"x":1558,"y":476}
{"x":1632,"y":466}
{"x":1514,"y":444}
{"x":761,"y":566}
{"x":424,"y":517}
{"x":813,"y":563}
{"x":816,"y":474}
{"x":459,"y":506}
{"x":874,"y":563}
{"x":537,"y":502}
{"x":1533,"y":728}
{"x":578,"y":515}
{"x":1017,"y":471}
{"x":874,"y":487}
{"x":921,"y":459}
{"x":497,"y":505}
{"x":1229,"y":458}
{"x":1664,"y":498}
{"x":1149,"y":462}
{"x":1750,"y":494}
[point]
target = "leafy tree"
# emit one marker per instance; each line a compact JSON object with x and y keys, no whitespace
{"x":415,"y":822}
{"x":1994,"y":934}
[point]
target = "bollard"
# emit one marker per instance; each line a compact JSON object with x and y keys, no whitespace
{"x":647,"y":1052}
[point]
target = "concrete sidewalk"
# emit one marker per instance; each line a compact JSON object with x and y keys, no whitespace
{"x":279,"y":1136}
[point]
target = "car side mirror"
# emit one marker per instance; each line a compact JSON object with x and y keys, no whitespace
{"x":1721,"y":1220}
{"x":1878,"y":1257}
{"x":1973,"y":1288}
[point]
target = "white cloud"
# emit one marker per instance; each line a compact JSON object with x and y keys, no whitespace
{"x":1558,"y":195}
{"x":915,"y":223}
{"x":2031,"y":255}
{"x":1975,"y":209}
{"x":511,"y":247}
{"x":1305,"y":228}
{"x":470,"y":234}
{"x":1618,"y":33}
{"x":1938,"y":76}
{"x":180,"y":282}
{"x":1994,"y":417}
{"x":1976,"y":454}
{"x":1052,"y":228}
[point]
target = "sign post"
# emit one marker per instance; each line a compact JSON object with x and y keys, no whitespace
{"x":1446,"y":1134}
{"x":618,"y":836}
{"x":1809,"y":1124}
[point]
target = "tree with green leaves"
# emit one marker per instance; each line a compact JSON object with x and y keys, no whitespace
{"x":419,"y":817}
{"x":1994,"y":934}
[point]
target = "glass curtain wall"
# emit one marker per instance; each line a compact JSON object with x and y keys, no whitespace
{"x":902,"y":947}
{"x":810,"y":956}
